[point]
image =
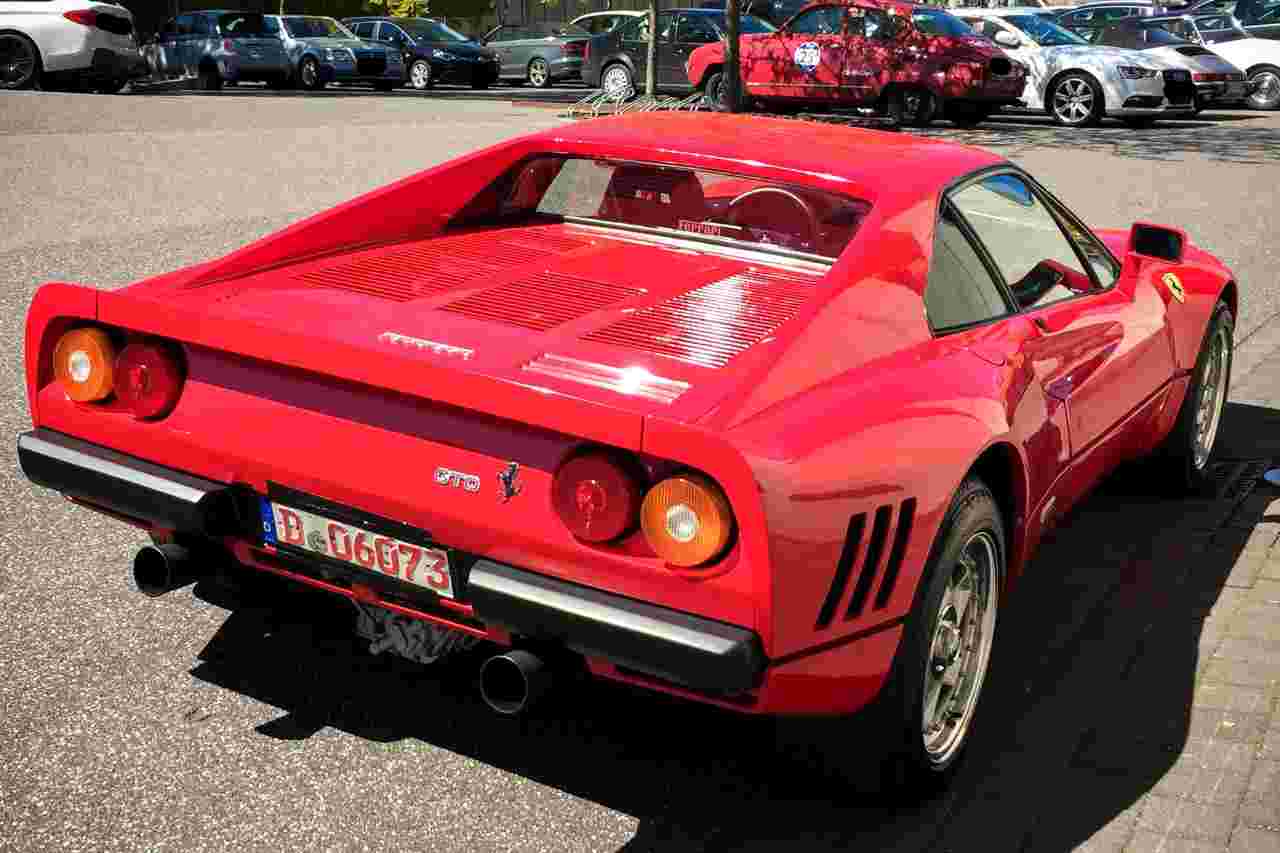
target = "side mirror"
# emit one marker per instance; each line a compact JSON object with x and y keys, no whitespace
{"x":1004,"y":38}
{"x":1157,"y":241}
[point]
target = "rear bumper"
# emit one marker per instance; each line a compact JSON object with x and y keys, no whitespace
{"x":687,"y":650}
{"x":1226,"y":91}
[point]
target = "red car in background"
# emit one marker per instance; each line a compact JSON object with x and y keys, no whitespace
{"x":760,"y":413}
{"x":913,"y":62}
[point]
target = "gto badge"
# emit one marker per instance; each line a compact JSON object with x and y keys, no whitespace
{"x":509,"y":478}
{"x":457,"y":479}
{"x":1174,"y":284}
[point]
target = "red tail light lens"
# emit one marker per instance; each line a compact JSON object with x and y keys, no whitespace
{"x":149,"y":378}
{"x":86,"y":17}
{"x":596,"y":497}
{"x":575,"y":48}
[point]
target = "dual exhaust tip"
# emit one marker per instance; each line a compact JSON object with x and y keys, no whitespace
{"x":509,"y":682}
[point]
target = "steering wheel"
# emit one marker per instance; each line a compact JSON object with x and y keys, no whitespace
{"x":734,"y":210}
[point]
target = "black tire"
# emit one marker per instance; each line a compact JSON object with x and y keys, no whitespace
{"x":911,"y":107}
{"x":309,"y":74}
{"x":209,"y":79}
{"x":1268,"y":99}
{"x":716,"y":94}
{"x":1075,"y":100}
{"x":967,"y":115}
{"x":421,"y":75}
{"x":20,"y":58}
{"x":1187,"y":468}
{"x":538,"y":73}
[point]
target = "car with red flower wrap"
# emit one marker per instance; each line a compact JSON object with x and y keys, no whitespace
{"x":914,"y":62}
{"x":762,"y":414}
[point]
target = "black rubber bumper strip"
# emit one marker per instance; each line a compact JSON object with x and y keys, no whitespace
{"x":116,"y":481}
{"x":698,"y":653}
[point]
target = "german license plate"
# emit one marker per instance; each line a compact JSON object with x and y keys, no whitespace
{"x":373,"y":552}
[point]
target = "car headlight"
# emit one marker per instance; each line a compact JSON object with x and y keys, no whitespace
{"x":443,"y":54}
{"x":1134,"y":72}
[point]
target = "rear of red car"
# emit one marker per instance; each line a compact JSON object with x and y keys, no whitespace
{"x":480,"y":426}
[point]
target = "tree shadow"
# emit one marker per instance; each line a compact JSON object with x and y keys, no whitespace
{"x":1088,"y":705}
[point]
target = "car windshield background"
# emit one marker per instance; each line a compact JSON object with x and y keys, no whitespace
{"x":731,"y":209}
{"x":933,"y":22}
{"x":304,"y":27}
{"x":1029,"y":247}
{"x":240,"y":24}
{"x":1044,"y":33}
{"x":432,"y":31}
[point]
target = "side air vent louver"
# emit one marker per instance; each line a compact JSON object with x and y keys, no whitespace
{"x":876,"y":543}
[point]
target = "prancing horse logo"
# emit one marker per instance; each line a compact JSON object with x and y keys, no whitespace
{"x":510,"y":480}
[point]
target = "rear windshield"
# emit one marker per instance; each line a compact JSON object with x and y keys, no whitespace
{"x":728,"y":209}
{"x":242,"y":24}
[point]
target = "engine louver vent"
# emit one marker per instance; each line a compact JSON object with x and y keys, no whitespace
{"x":712,"y":324}
{"x":430,"y":267}
{"x":541,"y":301}
{"x":879,"y":538}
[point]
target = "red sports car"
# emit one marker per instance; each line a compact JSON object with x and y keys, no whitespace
{"x":913,"y":62}
{"x":761,"y":414}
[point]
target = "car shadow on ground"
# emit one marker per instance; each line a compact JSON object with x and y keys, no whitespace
{"x":1087,"y":707}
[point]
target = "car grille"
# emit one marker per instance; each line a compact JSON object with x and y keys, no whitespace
{"x":369,"y":65}
{"x":1178,"y":87}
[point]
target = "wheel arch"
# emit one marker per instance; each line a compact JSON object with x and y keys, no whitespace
{"x":1083,"y":72}
{"x":1000,"y":467}
{"x":706,"y":74}
{"x":1258,"y":66}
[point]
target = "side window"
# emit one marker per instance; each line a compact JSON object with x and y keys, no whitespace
{"x":960,"y":291}
{"x":666,"y":27}
{"x":874,"y":23}
{"x":824,"y":20}
{"x":271,"y":26}
{"x":1024,"y":238}
{"x":696,"y":29}
{"x":637,"y":30}
{"x":364,"y":29}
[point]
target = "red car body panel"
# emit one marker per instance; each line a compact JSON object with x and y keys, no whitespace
{"x":857,"y":71}
{"x":849,"y":407}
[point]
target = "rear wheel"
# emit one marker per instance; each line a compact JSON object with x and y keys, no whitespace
{"x":716,"y":93}
{"x":1075,"y":100}
{"x":1267,"y":95}
{"x":420,"y":76}
{"x":616,"y":82}
{"x":309,"y":74}
{"x":1189,"y":448}
{"x":19,"y":62}
{"x":538,"y":73}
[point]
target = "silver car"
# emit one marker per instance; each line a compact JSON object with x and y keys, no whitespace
{"x":321,"y":51}
{"x":1078,"y":83}
{"x":1216,"y":79}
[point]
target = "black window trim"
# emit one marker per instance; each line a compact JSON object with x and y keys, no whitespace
{"x":1058,"y":212}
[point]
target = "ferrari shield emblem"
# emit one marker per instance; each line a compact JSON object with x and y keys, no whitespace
{"x":1174,"y":284}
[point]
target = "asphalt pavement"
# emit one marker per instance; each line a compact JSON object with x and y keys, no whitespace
{"x":212,"y":720}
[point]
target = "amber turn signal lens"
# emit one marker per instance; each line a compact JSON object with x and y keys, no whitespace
{"x":84,"y":363}
{"x":687,"y":520}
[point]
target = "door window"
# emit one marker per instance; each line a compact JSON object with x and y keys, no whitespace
{"x":824,"y":20}
{"x":1023,"y":237}
{"x":961,"y":291}
{"x":666,"y":27}
{"x":696,"y":29}
{"x":364,"y":30}
{"x":875,"y":24}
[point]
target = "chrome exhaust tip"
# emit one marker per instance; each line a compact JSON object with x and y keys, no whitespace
{"x":158,"y":569}
{"x":513,"y":681}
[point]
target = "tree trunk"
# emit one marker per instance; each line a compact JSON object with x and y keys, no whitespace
{"x":732,"y":64}
{"x":651,"y":62}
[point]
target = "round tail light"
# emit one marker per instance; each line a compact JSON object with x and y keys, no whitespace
{"x":149,"y":378}
{"x":83,"y":362}
{"x":596,"y":497}
{"x":687,"y":520}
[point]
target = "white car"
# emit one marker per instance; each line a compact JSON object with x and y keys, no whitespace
{"x":47,"y":40}
{"x":1258,"y":57}
{"x":1077,"y":83}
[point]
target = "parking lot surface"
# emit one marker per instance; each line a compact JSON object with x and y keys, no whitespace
{"x":1133,"y":699}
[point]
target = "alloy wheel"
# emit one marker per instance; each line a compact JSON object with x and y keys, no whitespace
{"x":961,"y":648}
{"x":1073,"y":101}
{"x":539,"y":73}
{"x":1267,"y":95}
{"x":17,"y":62}
{"x":616,"y":83}
{"x":1213,"y":394}
{"x":420,"y":74}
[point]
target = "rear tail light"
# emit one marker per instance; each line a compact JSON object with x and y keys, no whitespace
{"x":84,"y":363}
{"x":1206,"y":77}
{"x":596,"y":497}
{"x":575,"y":48}
{"x":86,"y":17}
{"x":228,"y":45}
{"x":586,"y":51}
{"x":687,"y":520}
{"x":149,"y":378}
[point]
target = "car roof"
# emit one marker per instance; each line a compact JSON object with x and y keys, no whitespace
{"x":871,"y":164}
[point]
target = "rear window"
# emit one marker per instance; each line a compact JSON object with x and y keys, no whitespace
{"x":729,"y":209}
{"x":934,"y":22}
{"x":240,"y":24}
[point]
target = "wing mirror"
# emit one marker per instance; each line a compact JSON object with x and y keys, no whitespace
{"x":1157,"y":241}
{"x":1004,"y":38}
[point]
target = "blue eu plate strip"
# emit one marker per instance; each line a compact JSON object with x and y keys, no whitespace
{"x":268,"y":522}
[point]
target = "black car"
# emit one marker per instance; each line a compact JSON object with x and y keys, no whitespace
{"x":433,"y":52}
{"x":616,"y":61}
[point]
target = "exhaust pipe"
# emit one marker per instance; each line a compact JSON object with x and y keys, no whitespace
{"x":511,"y":682}
{"x":158,"y":569}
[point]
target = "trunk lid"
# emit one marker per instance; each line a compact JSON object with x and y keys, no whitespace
{"x":630,"y":325}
